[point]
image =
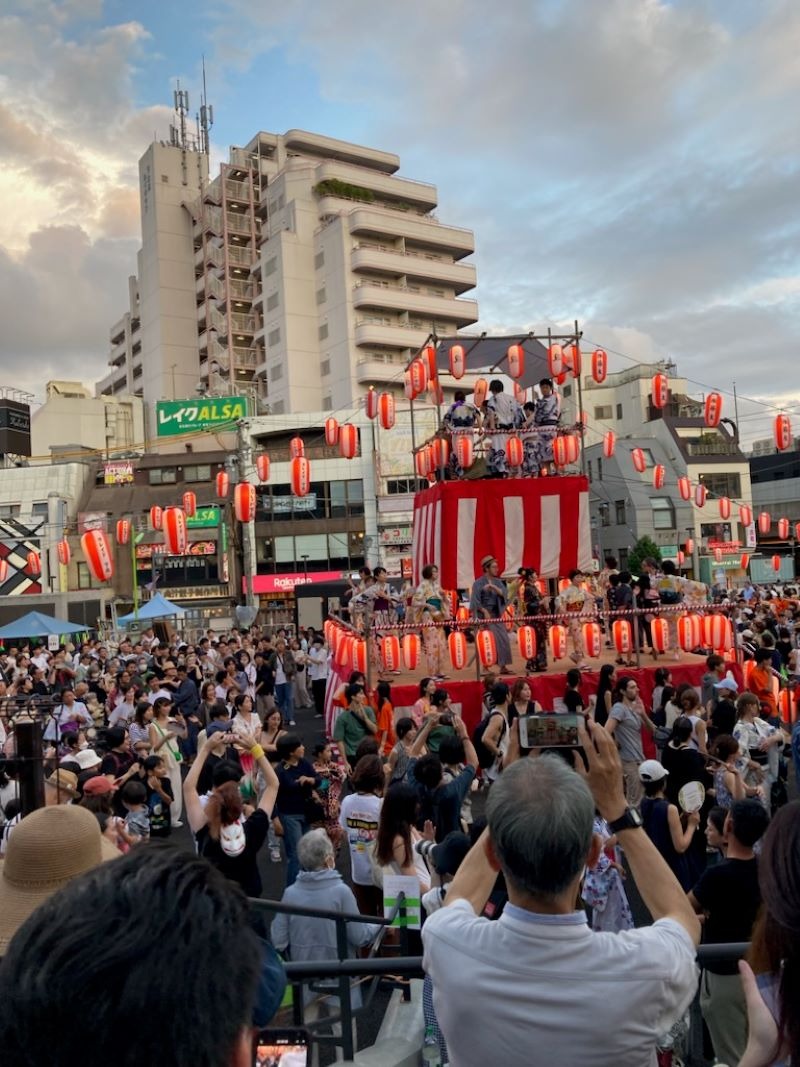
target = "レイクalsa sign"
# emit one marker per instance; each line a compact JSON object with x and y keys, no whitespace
{"x":174,"y":417}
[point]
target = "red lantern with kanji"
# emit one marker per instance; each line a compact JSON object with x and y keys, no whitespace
{"x":718,"y":555}
{"x":262,"y":467}
{"x":3,"y":570}
{"x":440,"y":450}
{"x":371,"y":403}
{"x":783,"y":432}
{"x":745,"y":515}
{"x":724,"y":507}
{"x":559,"y":379}
{"x":423,"y":459}
{"x":783,"y":529}
{"x":458,"y":361}
{"x":520,"y":393}
{"x":465,"y":450}
{"x":555,"y":360}
{"x":223,"y":484}
{"x":575,"y":360}
{"x":97,"y":552}
{"x":681,"y":557}
{"x":660,"y":390}
{"x":638,"y":459}
{"x":659,"y":628}
{"x":63,"y":552}
{"x":175,"y":535}
{"x":34,"y":564}
{"x":516,"y":361}
{"x":688,"y":546}
{"x":526,"y":639}
{"x":418,"y":376}
{"x":457,"y":647}
{"x":622,"y":636}
{"x":481,"y":389}
{"x":435,"y":391}
{"x":557,"y":636}
{"x":429,"y":359}
{"x":189,"y":501}
{"x":717,"y":632}
{"x":609,"y":443}
{"x":244,"y":501}
{"x":700,"y":493}
{"x":156,"y":517}
{"x":764,"y":522}
{"x":659,"y":473}
{"x":123,"y":531}
{"x":390,"y":652}
{"x":462,"y":613}
{"x":358,"y":655}
{"x":713,"y":409}
{"x":776,"y":563}
{"x":296,"y":447}
{"x":599,"y":365}
{"x":487,"y":647}
{"x":685,"y":488}
{"x":744,"y":562}
{"x":331,"y":431}
{"x":300,"y":476}
{"x":411,"y":650}
{"x":514,"y":451}
{"x":348,"y":440}
{"x":592,"y":639}
{"x":689,"y":632}
{"x":386,"y":410}
{"x":566,"y":449}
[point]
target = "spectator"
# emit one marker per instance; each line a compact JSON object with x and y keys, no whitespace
{"x":117,"y":929}
{"x":137,"y":818}
{"x":297,"y":781}
{"x":354,"y":723}
{"x":715,"y":671}
{"x":359,"y":816}
{"x":663,"y":825}
{"x":400,"y":756}
{"x":440,"y":801}
{"x":684,"y":763}
{"x":729,"y":897}
{"x":555,"y":991}
{"x":625,"y":726}
{"x":159,"y":796}
{"x":61,"y":787}
{"x":384,"y":718}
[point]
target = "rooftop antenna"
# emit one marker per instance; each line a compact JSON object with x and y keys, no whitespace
{"x":181,"y":102}
{"x":206,"y":117}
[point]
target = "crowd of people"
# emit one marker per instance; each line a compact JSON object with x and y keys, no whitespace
{"x":523,"y":857}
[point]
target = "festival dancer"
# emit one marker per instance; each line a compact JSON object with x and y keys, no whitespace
{"x":378,"y":602}
{"x":574,"y":600}
{"x":503,"y":413}
{"x":488,"y":601}
{"x":460,"y":418}
{"x":546,"y":419}
{"x":431,"y":605}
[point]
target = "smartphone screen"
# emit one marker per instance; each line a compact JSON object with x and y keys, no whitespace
{"x":281,"y":1048}
{"x":551,"y":731}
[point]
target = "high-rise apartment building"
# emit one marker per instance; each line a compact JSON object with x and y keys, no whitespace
{"x":304,"y":273}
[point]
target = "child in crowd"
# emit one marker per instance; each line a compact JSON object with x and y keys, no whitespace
{"x":159,"y":797}
{"x":603,"y":890}
{"x":137,"y":819}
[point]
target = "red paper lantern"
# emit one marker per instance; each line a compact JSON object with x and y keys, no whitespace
{"x":390,"y":652}
{"x":783,"y":529}
{"x":776,"y":563}
{"x":418,"y":377}
{"x":440,"y":451}
{"x":555,"y":360}
{"x":797,"y":531}
{"x":358,"y":655}
{"x":3,"y":570}
{"x":465,"y":450}
{"x":685,"y":488}
{"x":34,"y":564}
{"x":331,"y":431}
{"x":156,"y":517}
{"x":557,"y":636}
{"x":764,"y":522}
{"x":744,"y":562}
{"x":435,"y":391}
{"x":175,"y":536}
{"x":599,"y":365}
{"x":681,"y":557}
{"x":520,"y":393}
{"x":659,"y":473}
{"x":622,"y":636}
{"x":609,"y":443}
{"x":386,"y":410}
{"x":575,"y":360}
{"x":371,"y":403}
{"x":429,"y":359}
{"x":300,"y":476}
{"x":717,"y":632}
{"x":189,"y":501}
{"x":713,"y":409}
{"x":423,"y":458}
{"x":745,"y":515}
{"x":123,"y":531}
{"x":659,"y":628}
{"x":689,"y":632}
{"x":592,"y":639}
{"x":559,"y":379}
{"x":718,"y":555}
{"x":487,"y":647}
{"x":566,"y":449}
{"x":526,"y":639}
{"x":296,"y":447}
{"x":660,"y":390}
{"x":262,"y":467}
{"x":348,"y":440}
{"x":223,"y":484}
{"x":783,"y":432}
{"x":516,"y":361}
{"x":244,"y":502}
{"x":787,"y":706}
{"x":481,"y":389}
{"x":97,"y":551}
{"x":639,"y":460}
{"x":688,"y":546}
{"x":411,"y":651}
{"x":724,"y":507}
{"x":514,"y":451}
{"x":700,"y":494}
{"x":457,"y":647}
{"x":458,"y":361}
{"x":63,"y":552}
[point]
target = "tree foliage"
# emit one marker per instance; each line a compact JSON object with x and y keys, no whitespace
{"x":645,"y":548}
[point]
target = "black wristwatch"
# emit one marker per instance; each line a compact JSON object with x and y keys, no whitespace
{"x":631,"y":820}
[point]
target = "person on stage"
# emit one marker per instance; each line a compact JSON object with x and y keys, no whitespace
{"x":530,"y":603}
{"x":488,"y":601}
{"x":575,"y":601}
{"x":378,"y":602}
{"x":460,"y":418}
{"x":431,"y":605}
{"x":546,"y":419}
{"x":503,"y":413}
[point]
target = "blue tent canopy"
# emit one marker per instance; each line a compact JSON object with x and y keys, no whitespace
{"x":157,"y":607}
{"x":35,"y":624}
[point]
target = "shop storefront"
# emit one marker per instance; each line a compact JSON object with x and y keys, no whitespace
{"x":282,"y":605}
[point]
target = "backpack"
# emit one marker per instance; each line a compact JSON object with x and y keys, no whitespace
{"x":485,"y":757}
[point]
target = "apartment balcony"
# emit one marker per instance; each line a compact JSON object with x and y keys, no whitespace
{"x":119,"y":353}
{"x":211,"y":193}
{"x":375,"y":371}
{"x":239,"y":222}
{"x":111,"y":383}
{"x":212,"y":220}
{"x":403,"y":190}
{"x":426,"y":268}
{"x":241,"y":356}
{"x":428,"y":233}
{"x":237,"y":191}
{"x":240,"y":257}
{"x":460,"y":312}
{"x":389,"y":335}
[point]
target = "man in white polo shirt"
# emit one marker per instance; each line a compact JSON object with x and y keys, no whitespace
{"x":538,"y":987}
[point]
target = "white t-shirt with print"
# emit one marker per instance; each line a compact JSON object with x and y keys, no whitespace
{"x":359,"y":816}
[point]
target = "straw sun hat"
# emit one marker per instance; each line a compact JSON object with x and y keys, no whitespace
{"x":46,"y":850}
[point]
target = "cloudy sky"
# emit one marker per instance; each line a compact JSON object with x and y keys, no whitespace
{"x":629,"y":163}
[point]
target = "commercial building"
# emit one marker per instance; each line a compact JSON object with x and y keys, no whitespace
{"x":72,"y":421}
{"x":775,"y":478}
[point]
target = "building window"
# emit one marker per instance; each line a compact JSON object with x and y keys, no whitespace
{"x":619,"y":412}
{"x":276,"y":372}
{"x":605,"y":515}
{"x":567,"y":391}
{"x":272,"y":301}
{"x":319,"y":260}
{"x":325,"y":367}
{"x":327,"y":402}
{"x":9,"y":511}
{"x":200,"y":473}
{"x":321,"y":296}
{"x":274,"y":336}
{"x":723,"y":484}
{"x":599,"y":469}
{"x":162,"y":476}
{"x":271,"y":266}
{"x":604,"y":411}
{"x":623,"y":559}
{"x":404,"y":485}
{"x":619,"y":513}
{"x":322,"y":332}
{"x":85,"y":578}
{"x":39,"y":509}
{"x":663,"y":513}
